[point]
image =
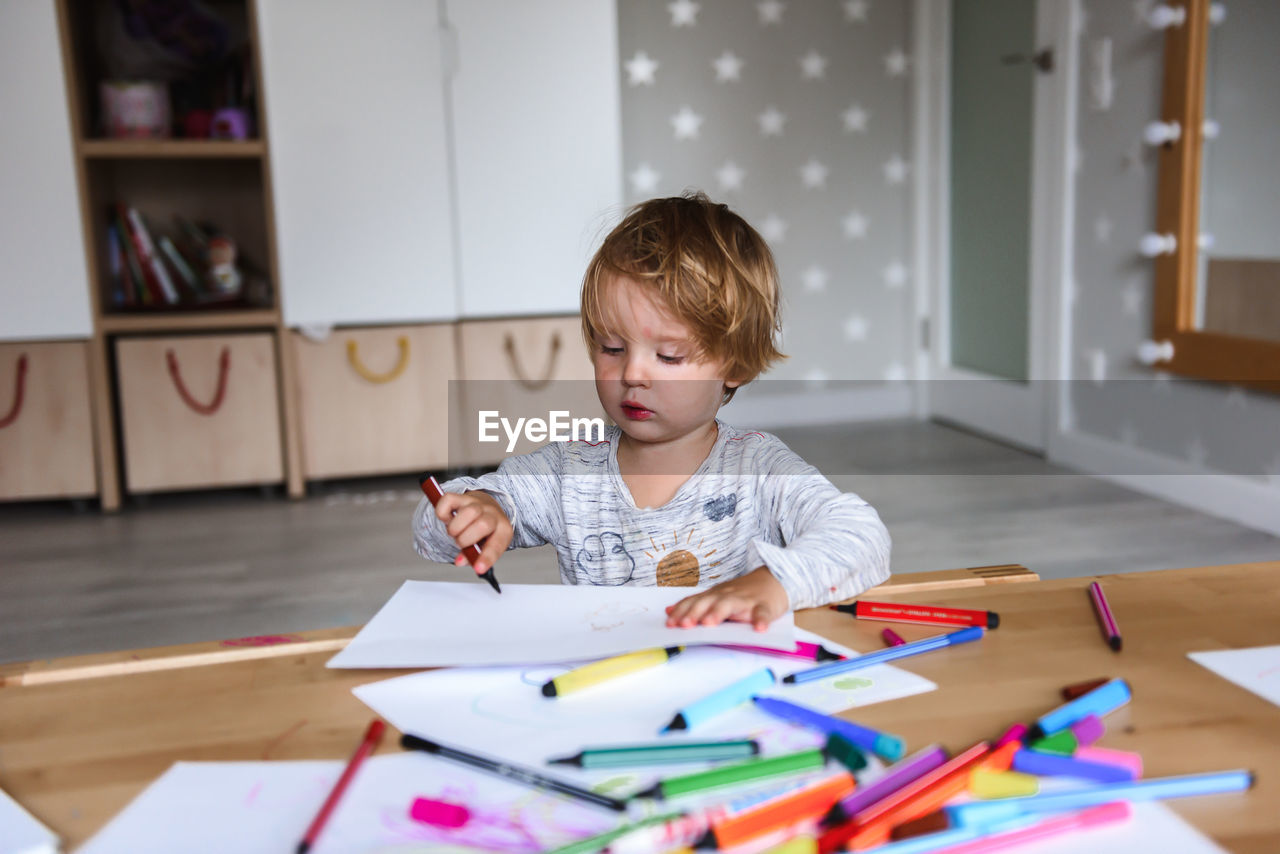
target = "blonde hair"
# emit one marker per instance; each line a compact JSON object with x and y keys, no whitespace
{"x":708,"y":267}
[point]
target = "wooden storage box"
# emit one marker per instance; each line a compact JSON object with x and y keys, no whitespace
{"x":199,"y":411}
{"x":521,"y":369}
{"x":46,"y":425}
{"x":375,"y":400}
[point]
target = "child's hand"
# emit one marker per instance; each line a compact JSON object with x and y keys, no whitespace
{"x":470,"y":517}
{"x":757,"y":598}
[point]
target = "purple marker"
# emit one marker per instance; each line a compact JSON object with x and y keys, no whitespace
{"x":1088,"y":729}
{"x":1052,"y":765}
{"x":897,"y":776}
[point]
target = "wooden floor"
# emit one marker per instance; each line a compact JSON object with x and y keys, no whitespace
{"x":203,"y":566}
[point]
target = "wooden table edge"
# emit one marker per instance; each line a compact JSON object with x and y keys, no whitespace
{"x":150,"y":660}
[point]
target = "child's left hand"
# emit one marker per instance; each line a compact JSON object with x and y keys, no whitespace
{"x":757,"y":598}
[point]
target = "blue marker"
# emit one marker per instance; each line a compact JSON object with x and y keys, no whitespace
{"x":726,"y":698}
{"x":889,"y":746}
{"x":988,"y":812}
{"x":880,"y":656}
{"x":1057,"y":765}
{"x":1101,"y":700}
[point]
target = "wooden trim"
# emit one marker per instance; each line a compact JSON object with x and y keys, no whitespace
{"x":179,"y":321}
{"x":108,"y":472}
{"x":48,"y":671}
{"x":1203,"y":355}
{"x":129,"y":662}
{"x":287,"y":363}
{"x":195,"y":149}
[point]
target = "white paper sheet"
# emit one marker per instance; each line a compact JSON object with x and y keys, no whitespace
{"x":443,"y":624}
{"x":1255,"y":669}
{"x":500,"y":711}
{"x":21,"y":832}
{"x":266,"y":807}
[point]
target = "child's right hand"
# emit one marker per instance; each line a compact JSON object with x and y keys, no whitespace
{"x":470,"y":517}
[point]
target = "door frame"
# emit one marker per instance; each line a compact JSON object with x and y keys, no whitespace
{"x":1029,"y":414}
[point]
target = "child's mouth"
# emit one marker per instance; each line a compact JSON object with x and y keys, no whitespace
{"x":636,"y":412}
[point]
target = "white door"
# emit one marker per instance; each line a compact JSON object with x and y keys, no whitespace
{"x":537,"y":144}
{"x":359,"y":161}
{"x":997,"y":202}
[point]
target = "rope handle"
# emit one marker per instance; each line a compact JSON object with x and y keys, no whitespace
{"x":353,"y":356}
{"x":224,"y":367}
{"x":509,"y":344}
{"x":19,"y":389}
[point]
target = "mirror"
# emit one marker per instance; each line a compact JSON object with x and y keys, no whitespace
{"x":1238,"y":269}
{"x":1217,"y":280}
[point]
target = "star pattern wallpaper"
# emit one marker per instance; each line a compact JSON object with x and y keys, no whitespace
{"x":796,"y":114}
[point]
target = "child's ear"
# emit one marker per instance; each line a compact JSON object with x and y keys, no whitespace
{"x":732,"y":383}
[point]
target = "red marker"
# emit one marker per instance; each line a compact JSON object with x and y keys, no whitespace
{"x":433,"y":492}
{"x":933,"y":615}
{"x":1108,"y":622}
{"x":371,"y":738}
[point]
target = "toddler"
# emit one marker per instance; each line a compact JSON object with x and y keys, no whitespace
{"x":679,"y":310}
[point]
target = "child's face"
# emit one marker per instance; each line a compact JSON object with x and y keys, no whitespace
{"x":646,"y":374}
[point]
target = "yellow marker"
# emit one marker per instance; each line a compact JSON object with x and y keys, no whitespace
{"x":984,"y":783}
{"x":796,"y":845}
{"x":599,"y":671}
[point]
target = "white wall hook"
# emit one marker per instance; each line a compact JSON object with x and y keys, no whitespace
{"x":1204,"y":242}
{"x":1217,"y":13}
{"x":1210,"y":129}
{"x":1153,"y":352}
{"x":1160,"y":133}
{"x":1163,"y":16}
{"x":1153,"y":245}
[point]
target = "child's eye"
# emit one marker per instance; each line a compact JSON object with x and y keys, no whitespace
{"x":610,"y":351}
{"x":671,"y":360}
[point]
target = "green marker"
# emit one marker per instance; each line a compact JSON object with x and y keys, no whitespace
{"x":845,"y":752}
{"x":742,"y":772}
{"x":1063,"y":743}
{"x":660,"y":754}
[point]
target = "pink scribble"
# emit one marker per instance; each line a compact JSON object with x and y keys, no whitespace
{"x":253,"y":793}
{"x":262,"y":640}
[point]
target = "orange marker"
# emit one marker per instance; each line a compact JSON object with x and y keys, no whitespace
{"x":784,"y":811}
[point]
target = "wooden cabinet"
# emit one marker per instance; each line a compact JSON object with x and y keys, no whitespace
{"x":523,"y":368}
{"x":199,"y":411}
{"x":375,"y":401}
{"x":46,"y":432}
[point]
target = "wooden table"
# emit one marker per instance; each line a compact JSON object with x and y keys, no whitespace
{"x":79,"y":738}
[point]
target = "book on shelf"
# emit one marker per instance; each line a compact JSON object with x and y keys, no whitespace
{"x":186,"y":275}
{"x":142,"y":287}
{"x":147,"y":254}
{"x":122,"y":293}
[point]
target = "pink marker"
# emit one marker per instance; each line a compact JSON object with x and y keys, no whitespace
{"x":1092,"y":817}
{"x":1107,"y":756}
{"x":807,"y":651}
{"x":439,"y":813}
{"x":892,"y":638}
{"x":1013,"y":733}
{"x":1106,"y":619}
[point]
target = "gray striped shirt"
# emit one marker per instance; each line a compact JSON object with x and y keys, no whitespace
{"x":753,"y":502}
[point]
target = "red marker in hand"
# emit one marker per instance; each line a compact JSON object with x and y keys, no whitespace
{"x":433,"y":492}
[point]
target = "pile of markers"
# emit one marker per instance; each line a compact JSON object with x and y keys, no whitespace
{"x":982,"y":799}
{"x":985,"y":798}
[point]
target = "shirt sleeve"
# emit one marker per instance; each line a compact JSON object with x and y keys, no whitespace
{"x":526,"y":487}
{"x":832,"y":544}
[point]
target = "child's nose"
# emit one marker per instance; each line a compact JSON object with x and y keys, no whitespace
{"x":635,"y":372}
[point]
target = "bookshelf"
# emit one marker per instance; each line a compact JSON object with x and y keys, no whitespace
{"x":223,"y":184}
